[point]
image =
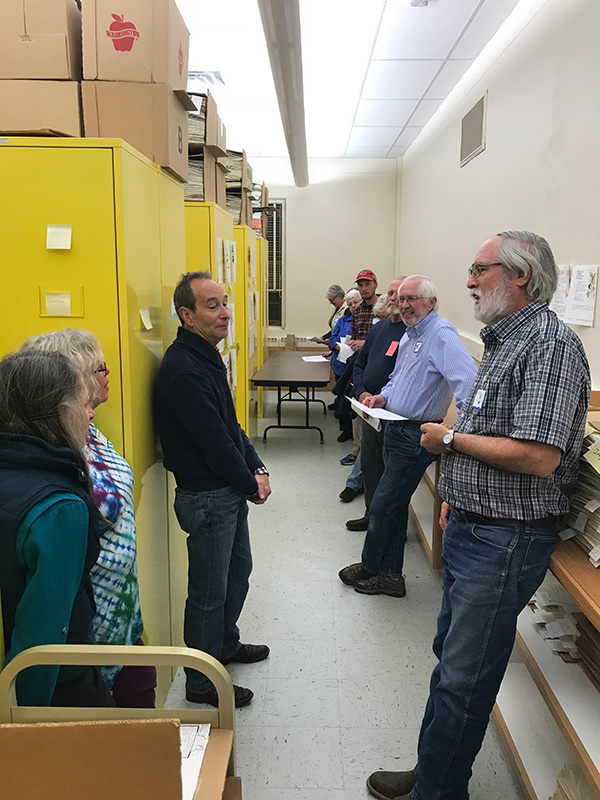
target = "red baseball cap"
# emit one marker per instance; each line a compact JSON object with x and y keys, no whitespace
{"x":366,"y":275}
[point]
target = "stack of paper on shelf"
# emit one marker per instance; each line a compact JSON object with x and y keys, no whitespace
{"x":194,"y":188}
{"x":588,"y":645}
{"x":583,"y":522}
{"x":197,"y":124}
{"x":552,"y":616}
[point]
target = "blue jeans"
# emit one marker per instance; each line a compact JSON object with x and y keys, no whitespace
{"x":220,"y":563}
{"x":405,"y":464}
{"x":355,"y":479}
{"x":490,"y":574}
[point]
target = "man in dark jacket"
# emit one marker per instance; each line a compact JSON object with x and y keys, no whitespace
{"x":216,"y":470}
{"x":372,"y":368}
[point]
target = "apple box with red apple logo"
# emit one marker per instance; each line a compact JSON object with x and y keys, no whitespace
{"x":123,"y":34}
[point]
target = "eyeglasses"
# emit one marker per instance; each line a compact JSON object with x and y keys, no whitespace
{"x":102,"y":368}
{"x":477,"y":269}
{"x":410,"y":298}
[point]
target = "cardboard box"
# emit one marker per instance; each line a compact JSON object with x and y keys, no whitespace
{"x":40,"y":107}
{"x":133,"y":759}
{"x":240,"y":171}
{"x":135,"y":41}
{"x":214,"y":130}
{"x":149,"y":116}
{"x":221,"y":186}
{"x":40,"y":39}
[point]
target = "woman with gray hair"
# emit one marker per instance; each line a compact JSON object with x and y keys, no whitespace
{"x":118,"y":618}
{"x":49,"y":531}
{"x":335,"y":295}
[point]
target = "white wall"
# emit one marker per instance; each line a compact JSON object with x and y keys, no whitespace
{"x":540,"y":170}
{"x":344,"y":221}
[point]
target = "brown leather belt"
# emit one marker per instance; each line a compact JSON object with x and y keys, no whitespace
{"x":477,"y":519}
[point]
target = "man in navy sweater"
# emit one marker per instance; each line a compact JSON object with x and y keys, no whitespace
{"x":372,"y":369}
{"x":216,"y":470}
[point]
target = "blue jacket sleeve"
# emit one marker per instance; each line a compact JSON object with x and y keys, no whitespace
{"x":51,"y":544}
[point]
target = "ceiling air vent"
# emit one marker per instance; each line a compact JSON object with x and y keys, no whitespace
{"x":472,"y":135}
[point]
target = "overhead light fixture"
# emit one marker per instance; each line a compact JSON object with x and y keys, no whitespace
{"x":281,"y":24}
{"x":419,"y":2}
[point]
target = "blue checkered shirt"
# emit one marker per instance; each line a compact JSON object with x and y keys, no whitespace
{"x":536,"y":381}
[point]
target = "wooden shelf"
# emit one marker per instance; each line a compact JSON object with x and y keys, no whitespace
{"x":582,"y":581}
{"x":573,"y":700}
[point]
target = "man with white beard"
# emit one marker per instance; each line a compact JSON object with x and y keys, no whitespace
{"x":505,"y":476}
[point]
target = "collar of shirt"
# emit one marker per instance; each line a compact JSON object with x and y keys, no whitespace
{"x":507,"y":326}
{"x":420,"y":328}
{"x":198,"y":343}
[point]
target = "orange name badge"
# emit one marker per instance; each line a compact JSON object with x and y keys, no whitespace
{"x":392,"y":349}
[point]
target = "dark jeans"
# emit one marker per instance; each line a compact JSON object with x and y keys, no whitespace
{"x":405,"y":463}
{"x":373,"y":464}
{"x":490,"y":574}
{"x":220,"y":563}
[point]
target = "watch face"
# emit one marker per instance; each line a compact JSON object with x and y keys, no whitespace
{"x":447,"y":438}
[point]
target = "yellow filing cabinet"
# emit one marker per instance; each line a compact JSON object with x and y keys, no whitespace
{"x":262,"y":256}
{"x":84,"y":227}
{"x":247,"y":302}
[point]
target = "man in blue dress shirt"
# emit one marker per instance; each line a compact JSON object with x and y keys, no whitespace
{"x":432,"y":365}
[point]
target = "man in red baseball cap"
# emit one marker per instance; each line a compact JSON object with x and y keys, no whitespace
{"x":362,"y":317}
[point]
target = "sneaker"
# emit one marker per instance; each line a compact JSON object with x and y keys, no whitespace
{"x":361,"y":524}
{"x":242,"y":696}
{"x":248,"y":654}
{"x":347,"y":495}
{"x":380,"y":584}
{"x":348,"y":460}
{"x":391,"y":785}
{"x":352,"y":573}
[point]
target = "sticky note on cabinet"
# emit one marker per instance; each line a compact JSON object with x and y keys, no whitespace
{"x":145,"y":315}
{"x":58,"y":304}
{"x":58,"y":237}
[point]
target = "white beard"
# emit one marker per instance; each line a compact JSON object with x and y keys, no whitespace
{"x":494,"y":305}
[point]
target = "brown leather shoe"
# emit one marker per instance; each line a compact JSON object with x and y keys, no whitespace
{"x":391,"y":785}
{"x":381,"y":584}
{"x":352,"y":573}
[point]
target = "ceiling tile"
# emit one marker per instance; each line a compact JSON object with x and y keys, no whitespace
{"x":450,"y":75}
{"x":373,"y":136}
{"x":424,"y":111}
{"x":422,"y":32}
{"x":397,"y":152}
{"x":367,"y":152}
{"x":398,"y":80}
{"x":384,"y":112}
{"x":408,"y":136}
{"x":488,"y":19}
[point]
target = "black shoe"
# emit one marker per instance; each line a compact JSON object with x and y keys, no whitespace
{"x":361,"y":524}
{"x":353,"y":573}
{"x":347,"y":495}
{"x":248,"y":654}
{"x":331,"y":407}
{"x":380,"y":584}
{"x":242,"y":696}
{"x":391,"y":785}
{"x":344,"y":436}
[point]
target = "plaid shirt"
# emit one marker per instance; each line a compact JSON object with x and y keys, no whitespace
{"x":535,"y":382}
{"x":362,"y":320}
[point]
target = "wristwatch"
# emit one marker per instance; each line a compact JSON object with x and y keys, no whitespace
{"x":261,"y":471}
{"x":447,"y":439}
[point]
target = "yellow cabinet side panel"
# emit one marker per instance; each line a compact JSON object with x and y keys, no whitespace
{"x":199,"y":237}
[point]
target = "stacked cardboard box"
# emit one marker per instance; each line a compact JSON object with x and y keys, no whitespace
{"x":206,"y":146}
{"x":40,"y":67}
{"x":135,"y":77}
{"x":134,"y":73}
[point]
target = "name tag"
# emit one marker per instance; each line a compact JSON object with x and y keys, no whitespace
{"x":479,"y":398}
{"x":417,"y":347}
{"x":392,"y":349}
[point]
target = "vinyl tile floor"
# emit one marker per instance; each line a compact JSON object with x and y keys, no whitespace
{"x":344,"y":688}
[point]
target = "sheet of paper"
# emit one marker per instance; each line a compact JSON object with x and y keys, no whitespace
{"x":58,"y":304}
{"x":233,"y":261}
{"x":194,"y":739}
{"x":593,"y":457}
{"x":58,"y":237}
{"x":231,"y":322}
{"x":581,"y":301}
{"x":253,"y":262}
{"x":344,"y":353}
{"x":378,"y":413}
{"x":559,"y":301}
{"x":227,"y":261}
{"x":314,"y":358}
{"x":219,"y":260}
{"x":145,"y":315}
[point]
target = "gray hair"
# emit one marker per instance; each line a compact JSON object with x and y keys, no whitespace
{"x":335,"y":290}
{"x":526,"y":253}
{"x":351,"y":293}
{"x":79,"y":345}
{"x":183,"y":294}
{"x":39,"y":393}
{"x":427,"y":288}
{"x":380,"y":305}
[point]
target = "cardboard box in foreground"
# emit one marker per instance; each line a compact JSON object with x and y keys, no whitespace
{"x":40,"y":107}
